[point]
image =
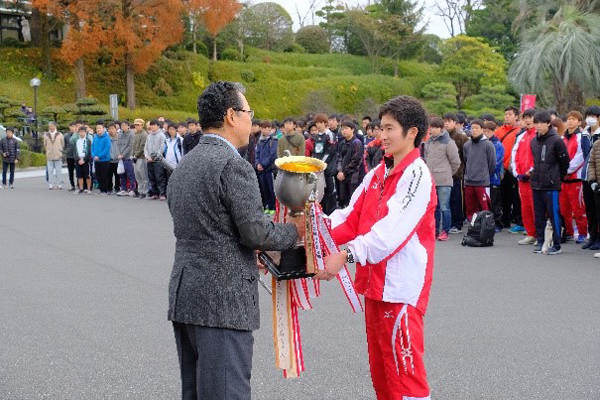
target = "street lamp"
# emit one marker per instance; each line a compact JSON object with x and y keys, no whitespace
{"x":35,"y":84}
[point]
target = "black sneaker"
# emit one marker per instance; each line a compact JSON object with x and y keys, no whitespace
{"x":587,"y":245}
{"x":538,"y":248}
{"x":595,"y":246}
{"x":554,"y":250}
{"x":142,"y":196}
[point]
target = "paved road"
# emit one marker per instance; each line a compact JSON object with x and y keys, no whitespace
{"x":83,"y":299}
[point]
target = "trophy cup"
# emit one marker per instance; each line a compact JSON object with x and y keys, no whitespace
{"x":299,"y":181}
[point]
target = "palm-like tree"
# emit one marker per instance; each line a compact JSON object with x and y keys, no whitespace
{"x":561,"y":54}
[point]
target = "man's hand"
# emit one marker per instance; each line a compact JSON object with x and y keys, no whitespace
{"x":300,"y":225}
{"x":96,"y":159}
{"x":260,"y":168}
{"x":259,"y":264}
{"x":80,"y":162}
{"x":594,"y":186}
{"x":333,"y":265}
{"x":120,"y":157}
{"x":16,"y":161}
{"x":149,"y":159}
{"x":340,"y":176}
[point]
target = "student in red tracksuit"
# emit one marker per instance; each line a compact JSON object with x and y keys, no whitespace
{"x":571,"y":195}
{"x":522,"y":165}
{"x":389,"y":229}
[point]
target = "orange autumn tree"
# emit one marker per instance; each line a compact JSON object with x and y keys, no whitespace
{"x":138,"y":31}
{"x":84,"y":33}
{"x":215,"y":14}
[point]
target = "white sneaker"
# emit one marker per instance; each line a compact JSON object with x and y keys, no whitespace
{"x":528,"y":240}
{"x":2,"y":186}
{"x":131,"y":193}
{"x":50,"y":187}
{"x":596,"y":255}
{"x":121,"y":193}
{"x":59,"y":187}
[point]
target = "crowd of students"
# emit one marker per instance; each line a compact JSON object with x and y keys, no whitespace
{"x":119,"y":158}
{"x":533,"y":168}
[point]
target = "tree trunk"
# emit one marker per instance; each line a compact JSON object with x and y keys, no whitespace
{"x":459,"y":101}
{"x":214,"y":48}
{"x":45,"y":43}
{"x":193,"y":29}
{"x":569,"y":98}
{"x":395,"y":68}
{"x":80,"y":90}
{"x":35,"y":28}
{"x":130,"y":82}
{"x":194,"y":47}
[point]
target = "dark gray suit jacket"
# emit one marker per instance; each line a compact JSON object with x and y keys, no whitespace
{"x":218,"y":221}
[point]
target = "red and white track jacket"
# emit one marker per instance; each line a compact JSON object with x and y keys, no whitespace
{"x":389,"y":227}
{"x":522,"y":157}
{"x":574,"y":148}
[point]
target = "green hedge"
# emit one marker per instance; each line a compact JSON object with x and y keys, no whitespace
{"x":30,"y":159}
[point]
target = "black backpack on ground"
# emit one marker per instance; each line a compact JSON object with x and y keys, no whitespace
{"x":481,"y":230}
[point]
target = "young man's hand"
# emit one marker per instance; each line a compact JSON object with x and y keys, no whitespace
{"x":260,"y":168}
{"x":80,"y":161}
{"x":333,"y":265}
{"x":341,"y":176}
{"x":96,"y":159}
{"x":120,"y":157}
{"x":16,"y":161}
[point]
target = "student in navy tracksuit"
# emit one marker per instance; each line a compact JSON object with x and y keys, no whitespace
{"x":266,"y":153}
{"x":489,"y":129}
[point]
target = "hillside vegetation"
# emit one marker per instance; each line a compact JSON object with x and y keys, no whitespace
{"x":278,"y":84}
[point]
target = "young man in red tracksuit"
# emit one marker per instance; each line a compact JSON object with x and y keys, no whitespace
{"x":522,"y":165}
{"x":571,"y":196}
{"x":389,"y":229}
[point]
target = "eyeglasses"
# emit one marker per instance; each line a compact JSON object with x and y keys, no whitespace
{"x":251,"y":112}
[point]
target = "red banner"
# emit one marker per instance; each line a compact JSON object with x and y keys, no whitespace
{"x":527,"y":101}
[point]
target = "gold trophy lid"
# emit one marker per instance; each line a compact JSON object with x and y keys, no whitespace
{"x":300,"y":164}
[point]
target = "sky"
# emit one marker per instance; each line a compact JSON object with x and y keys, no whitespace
{"x":435,"y":26}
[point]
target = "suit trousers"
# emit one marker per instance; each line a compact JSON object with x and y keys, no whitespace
{"x":102,"y":175}
{"x":215,"y":363}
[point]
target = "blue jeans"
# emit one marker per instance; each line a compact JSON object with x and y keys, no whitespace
{"x":442,"y":211}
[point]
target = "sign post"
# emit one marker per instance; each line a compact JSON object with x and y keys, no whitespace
{"x":114,"y":107}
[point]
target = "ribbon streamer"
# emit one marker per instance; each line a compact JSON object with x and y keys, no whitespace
{"x":290,"y":295}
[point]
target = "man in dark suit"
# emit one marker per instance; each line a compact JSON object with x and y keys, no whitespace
{"x":219,"y":223}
